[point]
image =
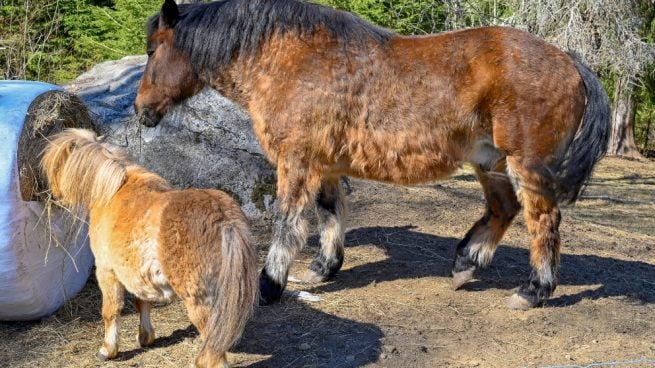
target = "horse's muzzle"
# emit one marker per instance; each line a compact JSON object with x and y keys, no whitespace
{"x":148,"y":117}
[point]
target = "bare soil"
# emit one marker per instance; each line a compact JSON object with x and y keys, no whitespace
{"x":392,"y":305}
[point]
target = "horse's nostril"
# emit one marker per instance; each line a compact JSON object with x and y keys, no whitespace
{"x":148,"y":117}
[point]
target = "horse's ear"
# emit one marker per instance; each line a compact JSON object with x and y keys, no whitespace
{"x":168,"y":15}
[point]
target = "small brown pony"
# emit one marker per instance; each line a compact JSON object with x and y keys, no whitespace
{"x":155,"y":242}
{"x":331,"y":95}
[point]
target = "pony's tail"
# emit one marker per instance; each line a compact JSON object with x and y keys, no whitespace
{"x":81,"y":170}
{"x":235,"y":291}
{"x":575,"y":165}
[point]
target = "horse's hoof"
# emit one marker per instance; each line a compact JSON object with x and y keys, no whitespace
{"x":461,"y":278}
{"x":270,"y":291}
{"x":311,"y":277}
{"x":519,"y":302}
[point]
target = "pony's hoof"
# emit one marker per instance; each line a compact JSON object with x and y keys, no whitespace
{"x":519,"y":302}
{"x":104,"y":354}
{"x":461,"y":278}
{"x":101,"y":357}
{"x":145,"y":340}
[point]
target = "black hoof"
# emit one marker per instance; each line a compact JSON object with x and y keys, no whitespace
{"x":326,"y":268}
{"x":464,"y":267}
{"x":534,"y":293}
{"x":270,"y":290}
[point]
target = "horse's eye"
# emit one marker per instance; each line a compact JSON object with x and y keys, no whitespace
{"x":150,"y":52}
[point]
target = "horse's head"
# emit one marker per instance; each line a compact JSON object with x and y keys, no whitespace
{"x":169,"y":76}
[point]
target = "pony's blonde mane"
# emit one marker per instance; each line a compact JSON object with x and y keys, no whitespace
{"x":82,"y":170}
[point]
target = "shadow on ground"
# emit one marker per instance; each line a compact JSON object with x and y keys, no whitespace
{"x":287,"y":334}
{"x":296,"y":335}
{"x":413,"y":254}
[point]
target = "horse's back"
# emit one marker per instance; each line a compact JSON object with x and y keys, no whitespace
{"x":441,"y":95}
{"x":413,"y":109}
{"x":525,"y":93}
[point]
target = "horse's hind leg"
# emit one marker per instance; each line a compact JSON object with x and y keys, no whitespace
{"x":297,"y":185}
{"x":331,"y":208}
{"x":146,"y":334}
{"x":113,"y":295}
{"x":478,"y":246}
{"x":542,"y":217}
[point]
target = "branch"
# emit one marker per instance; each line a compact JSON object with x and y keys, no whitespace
{"x":613,"y":199}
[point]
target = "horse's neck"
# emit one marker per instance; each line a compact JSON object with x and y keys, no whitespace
{"x":244,"y":78}
{"x":235,"y":82}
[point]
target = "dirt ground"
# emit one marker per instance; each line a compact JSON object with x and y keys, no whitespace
{"x":392,"y":304}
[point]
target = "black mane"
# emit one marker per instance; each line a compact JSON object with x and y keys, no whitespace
{"x":211,"y":34}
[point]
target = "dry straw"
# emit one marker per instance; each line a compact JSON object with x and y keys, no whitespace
{"x":48,"y":114}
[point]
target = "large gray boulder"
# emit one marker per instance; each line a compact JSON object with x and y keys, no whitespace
{"x":205,"y":142}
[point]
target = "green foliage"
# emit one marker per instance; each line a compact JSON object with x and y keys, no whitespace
{"x":101,"y":32}
{"x":55,"y":40}
{"x":645,"y":119}
{"x":26,"y":29}
{"x":424,"y":16}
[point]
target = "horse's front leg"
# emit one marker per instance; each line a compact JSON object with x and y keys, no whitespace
{"x":113,"y":295}
{"x":297,"y":186}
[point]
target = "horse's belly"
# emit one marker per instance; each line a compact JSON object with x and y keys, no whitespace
{"x":403,"y":158}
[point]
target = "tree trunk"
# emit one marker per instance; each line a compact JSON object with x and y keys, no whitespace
{"x":622,"y":139}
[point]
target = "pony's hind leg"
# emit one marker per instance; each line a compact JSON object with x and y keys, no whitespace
{"x":146,"y":334}
{"x":298,"y":184}
{"x":200,"y":315}
{"x":479,"y":244}
{"x":542,"y":217}
{"x":113,"y":294}
{"x":331,"y":208}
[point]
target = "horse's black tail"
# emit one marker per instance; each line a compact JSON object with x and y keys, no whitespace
{"x":576,"y":163}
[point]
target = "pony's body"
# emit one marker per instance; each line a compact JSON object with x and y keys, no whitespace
{"x":133,"y":245}
{"x":157,"y":242}
{"x":331,"y":95}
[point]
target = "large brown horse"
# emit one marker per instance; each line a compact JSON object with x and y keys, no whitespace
{"x":331,"y":95}
{"x":155,"y":242}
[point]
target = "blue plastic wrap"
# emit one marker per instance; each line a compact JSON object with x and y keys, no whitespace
{"x":42,"y":261}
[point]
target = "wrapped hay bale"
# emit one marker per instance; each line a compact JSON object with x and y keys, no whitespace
{"x":44,"y":252}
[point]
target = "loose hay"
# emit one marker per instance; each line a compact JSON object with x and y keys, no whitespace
{"x":49,"y":113}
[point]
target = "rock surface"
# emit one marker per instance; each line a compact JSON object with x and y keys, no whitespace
{"x":205,"y":142}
